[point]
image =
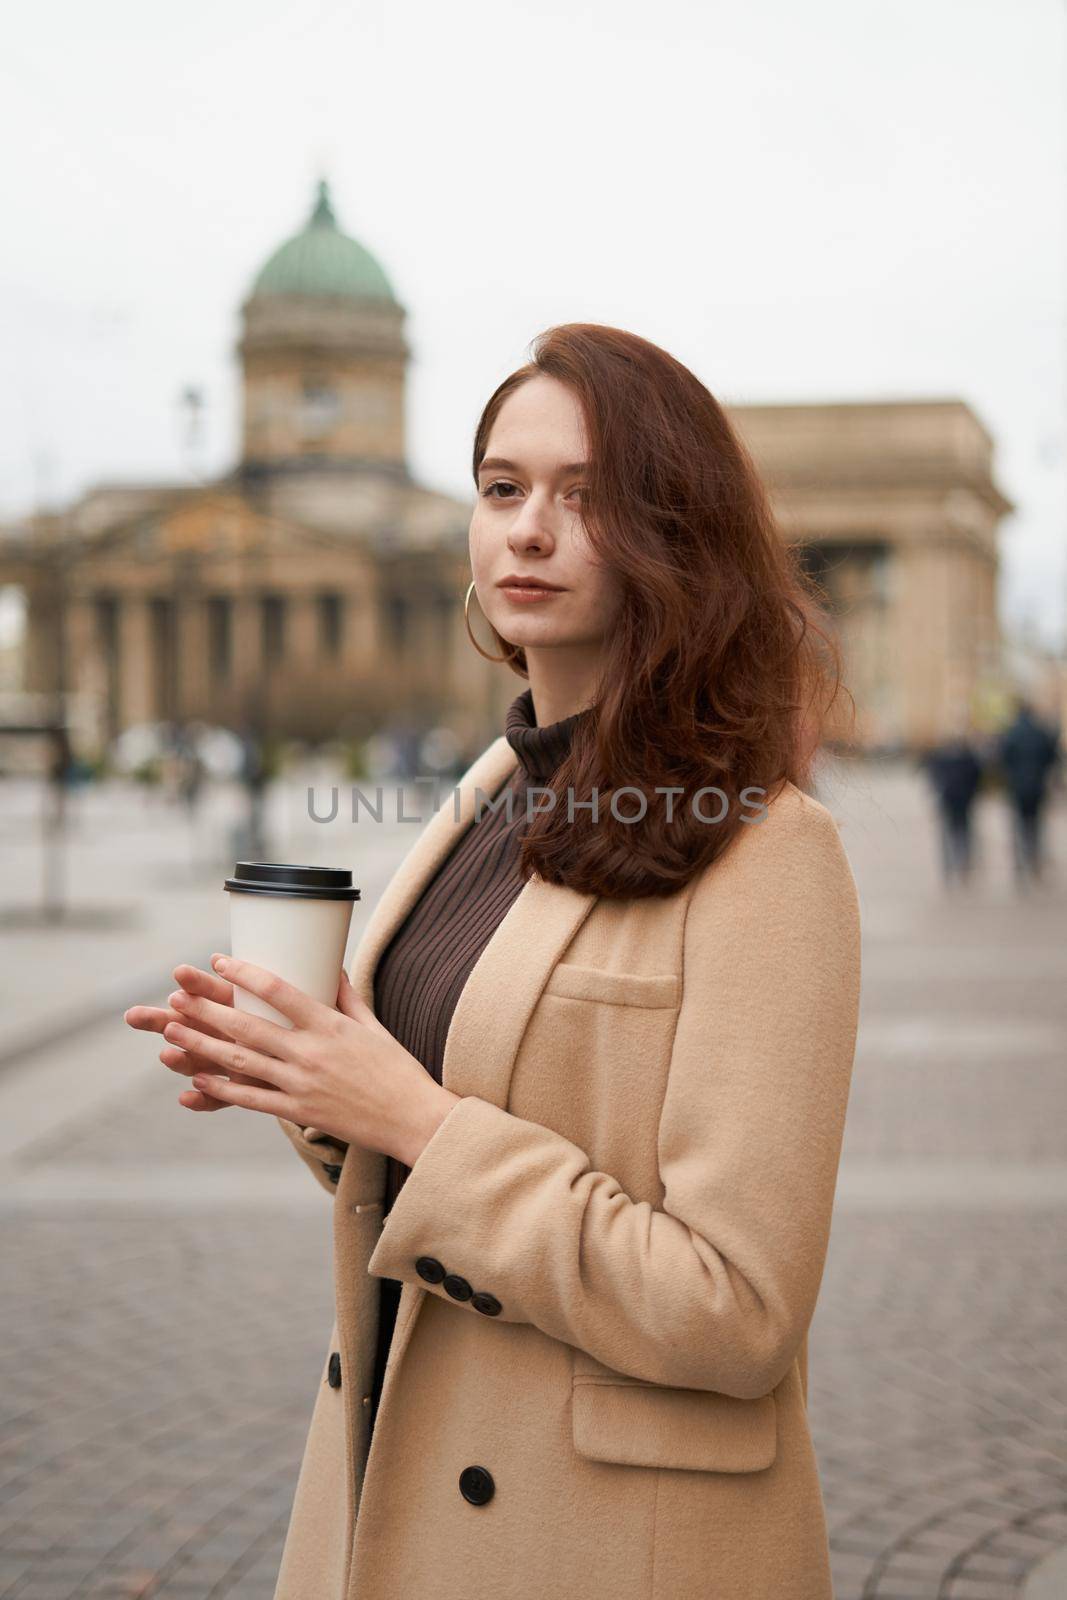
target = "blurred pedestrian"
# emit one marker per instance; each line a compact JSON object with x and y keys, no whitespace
{"x":407,"y":739}
{"x":253,"y":775}
{"x":954,"y":768}
{"x":188,"y":767}
{"x":1027,"y":753}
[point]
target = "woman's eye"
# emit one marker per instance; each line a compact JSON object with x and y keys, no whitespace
{"x":489,"y":492}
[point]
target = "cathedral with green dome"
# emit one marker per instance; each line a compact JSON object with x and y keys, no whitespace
{"x":323,"y":354}
{"x":315,"y":587}
{"x":320,"y":260}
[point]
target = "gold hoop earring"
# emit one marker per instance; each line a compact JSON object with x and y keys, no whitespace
{"x":512,"y":651}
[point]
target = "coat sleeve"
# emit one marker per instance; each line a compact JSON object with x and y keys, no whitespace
{"x":715,"y":1288}
{"x":322,"y":1154}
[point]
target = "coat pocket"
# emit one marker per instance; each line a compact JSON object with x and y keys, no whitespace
{"x":638,"y":1424}
{"x":573,"y":982}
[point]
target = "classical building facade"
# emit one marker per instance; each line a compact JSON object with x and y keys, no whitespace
{"x":318,"y":587}
{"x":896,"y":510}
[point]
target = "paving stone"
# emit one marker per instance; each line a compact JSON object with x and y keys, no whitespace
{"x":938,"y":1369}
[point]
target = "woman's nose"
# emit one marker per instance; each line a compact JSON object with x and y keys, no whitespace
{"x":533,"y":523}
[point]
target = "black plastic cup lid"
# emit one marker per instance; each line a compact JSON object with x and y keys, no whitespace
{"x":299,"y":883}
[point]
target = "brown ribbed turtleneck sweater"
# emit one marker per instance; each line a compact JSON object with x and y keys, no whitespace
{"x":422,"y":970}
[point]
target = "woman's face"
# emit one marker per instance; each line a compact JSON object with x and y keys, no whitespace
{"x":528,"y":521}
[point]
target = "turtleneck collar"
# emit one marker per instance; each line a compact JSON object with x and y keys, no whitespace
{"x":540,"y":750}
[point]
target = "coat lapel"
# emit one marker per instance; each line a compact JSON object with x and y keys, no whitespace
{"x":504,"y":984}
{"x":364,"y":1173}
{"x":422,"y":861}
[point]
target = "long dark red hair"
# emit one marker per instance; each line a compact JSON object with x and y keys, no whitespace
{"x":719,"y":671}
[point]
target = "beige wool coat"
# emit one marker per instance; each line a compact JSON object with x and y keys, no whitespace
{"x":639,"y":1178}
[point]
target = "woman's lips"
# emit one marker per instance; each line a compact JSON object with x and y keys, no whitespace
{"x":524,"y":596}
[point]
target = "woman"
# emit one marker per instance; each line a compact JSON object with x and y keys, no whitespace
{"x":581,"y":1102}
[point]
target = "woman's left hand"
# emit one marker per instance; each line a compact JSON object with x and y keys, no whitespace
{"x":337,"y":1070}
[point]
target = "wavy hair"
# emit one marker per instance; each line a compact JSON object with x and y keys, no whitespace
{"x":720,"y":671}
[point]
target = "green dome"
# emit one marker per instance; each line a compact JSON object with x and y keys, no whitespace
{"x":321,"y":260}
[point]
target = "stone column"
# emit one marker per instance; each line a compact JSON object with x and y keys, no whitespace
{"x":921,"y":630}
{"x":192,"y":697}
{"x":249,"y":689}
{"x":137,"y":677}
{"x":360,"y":628}
{"x":87,"y":669}
{"x":960,"y":652}
{"x":990,"y":620}
{"x":302,"y":679}
{"x":303,"y":636}
{"x":41,"y":649}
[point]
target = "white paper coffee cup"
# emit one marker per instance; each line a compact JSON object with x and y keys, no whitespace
{"x":293,"y":921}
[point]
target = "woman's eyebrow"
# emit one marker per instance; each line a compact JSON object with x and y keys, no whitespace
{"x":499,"y":464}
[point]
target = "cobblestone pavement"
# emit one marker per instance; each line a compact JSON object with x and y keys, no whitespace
{"x":170,"y":1274}
{"x":157,"y":1389}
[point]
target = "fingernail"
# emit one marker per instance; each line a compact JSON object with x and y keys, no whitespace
{"x":219,"y":963}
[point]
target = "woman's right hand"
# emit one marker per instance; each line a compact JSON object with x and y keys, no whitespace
{"x":153,"y":1019}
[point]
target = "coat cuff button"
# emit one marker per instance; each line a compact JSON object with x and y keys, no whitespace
{"x":487,"y":1304}
{"x":457,"y":1287}
{"x":430,"y":1268}
{"x":333,"y":1371}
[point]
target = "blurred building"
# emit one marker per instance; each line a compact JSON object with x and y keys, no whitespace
{"x":317,"y":587}
{"x":896,"y":509}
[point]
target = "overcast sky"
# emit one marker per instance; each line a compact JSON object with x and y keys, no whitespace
{"x":836,"y":200}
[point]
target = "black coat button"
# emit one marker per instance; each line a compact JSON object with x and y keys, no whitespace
{"x":476,"y":1485}
{"x":430,"y":1268}
{"x":333,"y":1173}
{"x":487,"y":1304}
{"x":457,"y":1287}
{"x":334,"y":1370}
